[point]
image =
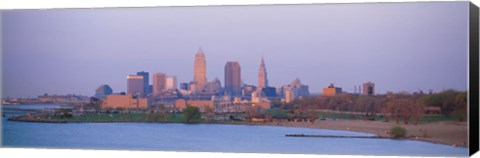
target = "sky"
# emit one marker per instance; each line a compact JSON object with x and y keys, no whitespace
{"x":398,"y":46}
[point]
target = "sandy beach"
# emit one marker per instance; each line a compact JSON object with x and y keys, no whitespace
{"x":451,"y":133}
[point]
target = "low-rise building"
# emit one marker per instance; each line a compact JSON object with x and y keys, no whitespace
{"x":263,"y":105}
{"x":181,"y":104}
{"x":332,"y":90}
{"x":125,"y":101}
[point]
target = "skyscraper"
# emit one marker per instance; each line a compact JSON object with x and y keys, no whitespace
{"x":262,"y":76}
{"x":145,"y":81}
{"x":135,"y":85}
{"x":159,"y":83}
{"x":233,"y":80}
{"x":171,"y":82}
{"x":200,"y":70}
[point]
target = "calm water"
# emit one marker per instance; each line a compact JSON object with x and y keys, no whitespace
{"x":212,"y":138}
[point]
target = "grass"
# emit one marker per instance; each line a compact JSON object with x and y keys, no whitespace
{"x":132,"y":117}
{"x":179,"y":118}
{"x":338,"y":115}
{"x":435,"y":118}
{"x":278,"y":112}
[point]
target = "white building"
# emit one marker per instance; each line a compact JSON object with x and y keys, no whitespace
{"x":171,"y":83}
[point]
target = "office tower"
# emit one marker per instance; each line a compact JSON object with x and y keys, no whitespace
{"x":200,"y":70}
{"x":171,"y":83}
{"x":135,"y":85}
{"x":103,"y":91}
{"x":159,"y":83}
{"x":368,"y":88}
{"x":145,"y":81}
{"x":233,"y":81}
{"x":262,"y":76}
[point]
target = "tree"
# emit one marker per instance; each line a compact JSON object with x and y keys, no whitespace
{"x":209,"y":113}
{"x":398,"y":132}
{"x":191,"y":113}
{"x":460,"y":112}
{"x":401,"y":108}
{"x":251,"y":111}
{"x":448,"y":100}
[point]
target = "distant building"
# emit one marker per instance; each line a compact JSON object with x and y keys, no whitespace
{"x":184,"y":86}
{"x":192,"y":86}
{"x":368,"y":88}
{"x":213,"y":87}
{"x":159,"y":83}
{"x":247,"y":90}
{"x":263,"y":105}
{"x":171,"y":83}
{"x":150,"y":89}
{"x":262,"y":76}
{"x":135,"y":85}
{"x":103,"y":91}
{"x":233,"y":82}
{"x":289,"y":96}
{"x":125,"y":101}
{"x":145,"y":81}
{"x":181,"y":104}
{"x":298,"y":89}
{"x":332,"y":90}
{"x":269,"y":91}
{"x":200,"y":71}
{"x":255,"y":97}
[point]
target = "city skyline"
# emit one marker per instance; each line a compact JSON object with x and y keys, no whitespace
{"x":401,"y":54}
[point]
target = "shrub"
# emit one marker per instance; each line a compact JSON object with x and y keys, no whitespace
{"x":191,"y":113}
{"x":398,"y":132}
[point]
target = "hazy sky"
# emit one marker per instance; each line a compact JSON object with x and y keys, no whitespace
{"x":398,"y":46}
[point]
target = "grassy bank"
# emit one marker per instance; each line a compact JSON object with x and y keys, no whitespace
{"x":118,"y":117}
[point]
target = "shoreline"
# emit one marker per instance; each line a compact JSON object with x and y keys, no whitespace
{"x":452,"y":133}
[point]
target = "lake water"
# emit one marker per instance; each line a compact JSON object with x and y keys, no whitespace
{"x":210,"y":138}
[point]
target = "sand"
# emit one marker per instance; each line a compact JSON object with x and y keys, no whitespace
{"x":451,"y":133}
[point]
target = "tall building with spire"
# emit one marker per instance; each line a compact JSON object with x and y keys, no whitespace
{"x":262,"y":76}
{"x":200,"y":70}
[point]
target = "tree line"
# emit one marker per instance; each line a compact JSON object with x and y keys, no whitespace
{"x":402,"y":106}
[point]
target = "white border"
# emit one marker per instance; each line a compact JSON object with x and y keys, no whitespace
{"x":74,"y":153}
